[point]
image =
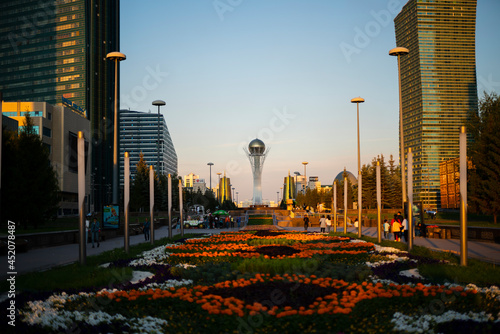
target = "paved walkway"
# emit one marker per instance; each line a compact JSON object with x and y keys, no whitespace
{"x":46,"y":258}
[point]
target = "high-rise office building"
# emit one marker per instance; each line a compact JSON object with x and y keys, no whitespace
{"x":225,"y":189}
{"x":438,"y":84}
{"x":288,"y":187}
{"x":139,"y":134}
{"x":54,"y":51}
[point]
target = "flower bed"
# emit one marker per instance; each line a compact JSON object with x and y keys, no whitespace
{"x":271,"y":282}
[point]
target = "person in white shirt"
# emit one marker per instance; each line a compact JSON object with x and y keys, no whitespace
{"x":322,"y":224}
{"x":404,"y":230}
{"x":328,"y":224}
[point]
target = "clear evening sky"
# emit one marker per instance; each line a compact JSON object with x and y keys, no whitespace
{"x":280,"y":70}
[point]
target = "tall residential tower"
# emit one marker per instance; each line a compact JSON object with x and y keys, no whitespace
{"x":438,"y":84}
{"x":139,"y":134}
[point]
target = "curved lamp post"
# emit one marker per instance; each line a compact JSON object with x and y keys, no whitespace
{"x":158,"y":103}
{"x":116,"y":57}
{"x":359,"y":100}
{"x":400,"y":51}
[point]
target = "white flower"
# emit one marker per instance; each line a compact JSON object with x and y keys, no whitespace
{"x":167,"y":284}
{"x":427,"y":322}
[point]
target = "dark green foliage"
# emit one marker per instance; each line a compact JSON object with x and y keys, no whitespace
{"x":390,"y":184}
{"x":484,"y":129}
{"x":139,"y":190}
{"x":30,"y":188}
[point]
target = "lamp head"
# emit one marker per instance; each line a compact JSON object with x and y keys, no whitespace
{"x":357,"y":100}
{"x":158,"y":103}
{"x":398,"y":51}
{"x":118,"y":56}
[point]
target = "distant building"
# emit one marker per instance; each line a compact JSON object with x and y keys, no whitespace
{"x":58,"y":129}
{"x":139,"y":133}
{"x":289,"y":191}
{"x":350,"y":176}
{"x":313,"y":183}
{"x":438,"y":83}
{"x":300,"y":181}
{"x":193,"y":181}
{"x":225,"y":189}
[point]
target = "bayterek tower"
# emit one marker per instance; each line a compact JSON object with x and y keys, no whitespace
{"x":256,"y":153}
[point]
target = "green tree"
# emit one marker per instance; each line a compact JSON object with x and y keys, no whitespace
{"x":139,"y":191}
{"x":393,"y":185}
{"x":30,"y":188}
{"x":484,"y":129}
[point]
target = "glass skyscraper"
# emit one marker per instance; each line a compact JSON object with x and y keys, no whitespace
{"x":438,"y":83}
{"x":54,"y":51}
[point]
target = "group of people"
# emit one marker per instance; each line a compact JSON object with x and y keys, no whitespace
{"x":324,"y":223}
{"x":227,"y":222}
{"x":399,"y":227}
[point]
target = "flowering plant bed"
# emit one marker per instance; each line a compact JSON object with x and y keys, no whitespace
{"x":271,"y":282}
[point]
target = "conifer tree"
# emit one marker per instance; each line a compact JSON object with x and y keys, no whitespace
{"x":30,"y":192}
{"x":484,"y":128}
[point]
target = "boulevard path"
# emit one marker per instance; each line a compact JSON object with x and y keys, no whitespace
{"x":45,"y":258}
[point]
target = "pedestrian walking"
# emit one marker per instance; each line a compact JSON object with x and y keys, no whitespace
{"x":387,"y":227}
{"x":306,"y":222}
{"x":404,"y":229}
{"x":211,"y":221}
{"x":322,"y":224}
{"x":146,"y":228}
{"x":328,"y":224}
{"x":95,"y":229}
{"x":396,"y":229}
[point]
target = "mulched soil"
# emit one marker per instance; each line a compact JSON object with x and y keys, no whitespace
{"x":277,"y":293}
{"x":273,"y":251}
{"x":267,"y":233}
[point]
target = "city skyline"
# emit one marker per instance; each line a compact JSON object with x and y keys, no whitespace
{"x":283,"y":72}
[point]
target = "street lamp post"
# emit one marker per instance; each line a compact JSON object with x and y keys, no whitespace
{"x":305,"y":175}
{"x":210,"y":164}
{"x":116,"y":57}
{"x":233,"y":195}
{"x":400,"y":51}
{"x":158,"y":103}
{"x":359,"y":100}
